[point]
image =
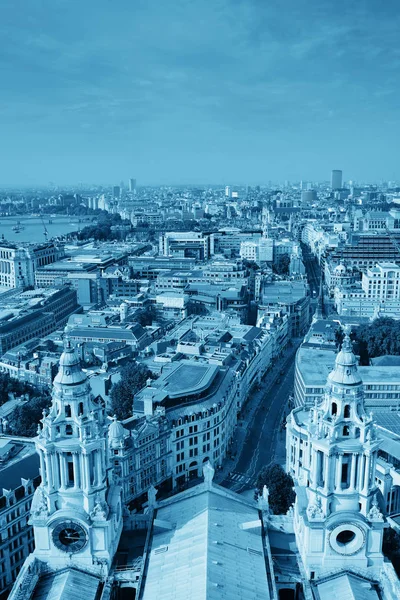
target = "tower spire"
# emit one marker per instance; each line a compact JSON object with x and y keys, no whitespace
{"x":75,"y":494}
{"x":335,"y":470}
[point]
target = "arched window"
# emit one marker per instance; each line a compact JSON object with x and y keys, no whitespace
{"x":68,"y":430}
{"x":67,"y":410}
{"x":80,"y":409}
{"x":347,"y":411}
{"x":334,"y":409}
{"x":346,"y":430}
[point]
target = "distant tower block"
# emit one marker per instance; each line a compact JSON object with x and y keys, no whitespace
{"x":228,"y":191}
{"x":336,"y":179}
{"x":132,"y":185}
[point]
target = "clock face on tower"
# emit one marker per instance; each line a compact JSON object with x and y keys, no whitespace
{"x":347,"y":539}
{"x":69,"y":536}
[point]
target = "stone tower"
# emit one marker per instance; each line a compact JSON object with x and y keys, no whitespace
{"x":331,"y":453}
{"x":76,"y":511}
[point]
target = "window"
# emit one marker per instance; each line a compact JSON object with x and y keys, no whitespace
{"x":67,"y":410}
{"x":346,"y":430}
{"x":347,"y":411}
{"x":334,"y":409}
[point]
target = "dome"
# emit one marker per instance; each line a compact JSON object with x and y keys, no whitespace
{"x":70,"y":372}
{"x":345,"y":371}
{"x":116,"y":433}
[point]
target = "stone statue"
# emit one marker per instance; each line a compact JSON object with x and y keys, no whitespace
{"x":263,"y":500}
{"x":151,"y":496}
{"x":208,"y":473}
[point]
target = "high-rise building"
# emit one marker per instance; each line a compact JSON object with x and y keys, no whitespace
{"x":116,"y":191}
{"x":228,"y":191}
{"x":336,"y":179}
{"x":132,"y":185}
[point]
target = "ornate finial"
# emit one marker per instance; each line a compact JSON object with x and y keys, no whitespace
{"x":374,"y":513}
{"x":66,"y":341}
{"x":347,"y":341}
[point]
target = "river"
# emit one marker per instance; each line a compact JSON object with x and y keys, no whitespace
{"x":32,"y":229}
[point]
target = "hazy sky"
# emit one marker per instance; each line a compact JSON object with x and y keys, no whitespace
{"x":198,"y":90}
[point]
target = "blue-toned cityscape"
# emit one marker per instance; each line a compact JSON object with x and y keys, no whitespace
{"x":199,"y":300}
{"x":200,"y":389}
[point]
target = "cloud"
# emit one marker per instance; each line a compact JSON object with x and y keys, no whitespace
{"x":138,"y":75}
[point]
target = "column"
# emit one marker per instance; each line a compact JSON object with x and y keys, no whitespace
{"x":361,"y":468}
{"x":327,"y":473}
{"x":42,"y":467}
{"x":56,"y":470}
{"x":77,"y":473}
{"x":87,"y":471}
{"x":84,"y":483}
{"x":366,"y":474}
{"x":339,"y":466}
{"x":99,"y":467}
{"x":49,"y":471}
{"x":62,"y":471}
{"x":353,"y":471}
{"x":315,"y":467}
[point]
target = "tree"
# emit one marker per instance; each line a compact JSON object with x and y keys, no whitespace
{"x":9,"y":385}
{"x":391,"y":547}
{"x":25,"y":418}
{"x":282,"y":266}
{"x":380,"y":337}
{"x":146,"y":316}
{"x":280,"y":487}
{"x":133,"y":378}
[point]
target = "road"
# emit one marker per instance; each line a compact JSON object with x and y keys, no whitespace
{"x":264,"y":432}
{"x":312,"y":268}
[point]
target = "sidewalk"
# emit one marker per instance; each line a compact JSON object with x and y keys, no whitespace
{"x":248,"y":413}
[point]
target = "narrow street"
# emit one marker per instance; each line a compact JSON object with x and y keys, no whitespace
{"x":264,"y":440}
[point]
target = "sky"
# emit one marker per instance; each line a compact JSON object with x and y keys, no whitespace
{"x":198,"y":91}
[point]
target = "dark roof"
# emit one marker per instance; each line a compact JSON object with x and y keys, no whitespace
{"x":27,"y":468}
{"x":387,"y":360}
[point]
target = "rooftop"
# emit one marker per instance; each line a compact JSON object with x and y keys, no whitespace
{"x":206,"y":544}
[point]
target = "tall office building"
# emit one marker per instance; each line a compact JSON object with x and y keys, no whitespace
{"x":336,"y":179}
{"x":116,"y":191}
{"x":132,"y":185}
{"x":228,"y":191}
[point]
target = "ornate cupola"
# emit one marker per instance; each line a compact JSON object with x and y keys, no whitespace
{"x":332,"y":453}
{"x":76,"y":494}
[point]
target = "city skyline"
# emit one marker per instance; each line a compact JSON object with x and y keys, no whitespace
{"x":174,"y":93}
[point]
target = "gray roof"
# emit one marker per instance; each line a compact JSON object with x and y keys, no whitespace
{"x":68,"y":584}
{"x":206,"y":544}
{"x":27,"y":468}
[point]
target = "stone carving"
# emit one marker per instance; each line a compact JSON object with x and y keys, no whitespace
{"x":100,"y":509}
{"x":314,"y":511}
{"x":374,"y":513}
{"x":39,"y":505}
